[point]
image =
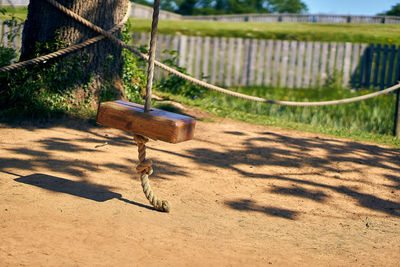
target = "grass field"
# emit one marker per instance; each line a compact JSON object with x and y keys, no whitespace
{"x":370,"y":120}
{"x":355,"y":33}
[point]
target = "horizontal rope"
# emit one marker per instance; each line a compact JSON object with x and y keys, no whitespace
{"x":69,"y":49}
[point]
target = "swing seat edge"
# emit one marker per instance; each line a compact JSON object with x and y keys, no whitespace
{"x":156,"y":124}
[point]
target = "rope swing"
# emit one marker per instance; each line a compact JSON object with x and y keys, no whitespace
{"x":145,"y":165}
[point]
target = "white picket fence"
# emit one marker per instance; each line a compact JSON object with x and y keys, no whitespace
{"x":291,"y":64}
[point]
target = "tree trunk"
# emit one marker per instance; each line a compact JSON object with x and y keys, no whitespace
{"x":103,"y":60}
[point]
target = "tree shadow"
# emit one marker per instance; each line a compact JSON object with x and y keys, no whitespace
{"x":250,"y":205}
{"x":82,"y":189}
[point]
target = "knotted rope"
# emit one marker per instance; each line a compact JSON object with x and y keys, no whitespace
{"x":145,"y":169}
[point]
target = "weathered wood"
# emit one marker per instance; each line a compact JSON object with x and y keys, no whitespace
{"x":378,"y":51}
{"x":299,"y":75}
{"x":397,"y":74}
{"x":292,"y":63}
{"x":339,"y":60}
{"x":366,"y":64}
{"x":156,"y":124}
{"x":277,"y":59}
{"x":392,"y":54}
{"x":199,"y":46}
{"x":347,"y":64}
{"x":260,"y":63}
{"x":285,"y":58}
{"x":307,"y":71}
{"x":355,"y":62}
{"x":253,"y":61}
{"x":182,"y":51}
{"x":397,"y":115}
{"x":245,"y":73}
{"x":332,"y":57}
{"x":383,"y":66}
{"x":206,"y":57}
{"x":324,"y":59}
{"x":238,"y":61}
{"x":214,"y":59}
{"x":268,"y":69}
{"x":228,"y":76}
{"x":222,"y":60}
{"x":190,"y":55}
{"x":315,"y":67}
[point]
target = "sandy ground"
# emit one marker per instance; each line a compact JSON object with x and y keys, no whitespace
{"x":241,"y":194}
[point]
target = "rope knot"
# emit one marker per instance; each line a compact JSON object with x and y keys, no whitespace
{"x":140,"y":139}
{"x":145,"y":166}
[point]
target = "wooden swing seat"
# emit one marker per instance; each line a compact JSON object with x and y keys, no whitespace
{"x":156,"y":124}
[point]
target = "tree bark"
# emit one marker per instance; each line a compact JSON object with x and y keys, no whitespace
{"x":103,"y":60}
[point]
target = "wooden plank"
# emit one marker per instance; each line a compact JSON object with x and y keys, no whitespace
{"x":144,"y":39}
{"x":300,"y":63}
{"x":268,"y":60}
{"x":383,"y":66}
{"x":324,"y":60}
{"x":156,"y":124}
{"x":347,"y":64}
{"x":339,"y":60}
{"x":332,"y":57}
{"x":260,"y":63}
{"x":389,"y":80}
{"x":277,"y":59}
{"x":397,"y":74}
{"x":199,"y":42}
{"x":307,"y":70}
{"x":222,"y":59}
{"x":292,"y":64}
{"x":228,"y":76}
{"x":364,"y":77}
{"x":252,"y":62}
{"x":368,"y":52}
{"x":238,"y":61}
{"x":206,"y":58}
{"x":377,"y":62}
{"x":315,"y":64}
{"x":214,"y":59}
{"x":182,"y":51}
{"x":355,"y":63}
{"x":245,"y":62}
{"x":167,"y":46}
{"x":285,"y":58}
{"x":190,"y":57}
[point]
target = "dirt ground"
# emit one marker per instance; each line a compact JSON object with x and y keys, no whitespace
{"x":241,"y":195}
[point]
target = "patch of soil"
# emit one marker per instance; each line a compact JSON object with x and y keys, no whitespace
{"x":241,"y":195}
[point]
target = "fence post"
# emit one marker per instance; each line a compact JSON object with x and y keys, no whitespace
{"x":397,"y":115}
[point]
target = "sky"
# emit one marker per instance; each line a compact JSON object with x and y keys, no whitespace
{"x":349,"y":7}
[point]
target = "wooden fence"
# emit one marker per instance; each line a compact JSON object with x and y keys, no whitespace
{"x":253,"y":62}
{"x":300,"y":18}
{"x":292,"y":64}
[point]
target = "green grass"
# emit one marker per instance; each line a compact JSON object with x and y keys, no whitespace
{"x":370,"y":120}
{"x":19,"y":13}
{"x":354,"y":33}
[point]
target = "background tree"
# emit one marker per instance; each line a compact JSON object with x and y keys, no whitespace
{"x":211,"y":7}
{"x":46,"y":25}
{"x":394,"y":11}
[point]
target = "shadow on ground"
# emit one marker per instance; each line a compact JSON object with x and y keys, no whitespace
{"x":266,"y":149}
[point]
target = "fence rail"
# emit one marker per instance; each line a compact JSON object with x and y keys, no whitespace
{"x":308,"y":18}
{"x":254,"y":62}
{"x":292,"y":64}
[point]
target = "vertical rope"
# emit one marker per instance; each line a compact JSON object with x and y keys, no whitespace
{"x":145,"y":169}
{"x":152,"y":53}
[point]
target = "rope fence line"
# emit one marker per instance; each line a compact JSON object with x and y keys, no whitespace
{"x":192,"y":79}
